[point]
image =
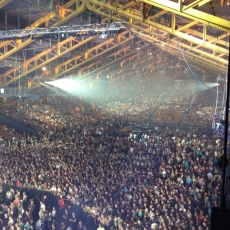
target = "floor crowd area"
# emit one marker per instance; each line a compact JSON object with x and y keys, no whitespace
{"x":77,"y":173}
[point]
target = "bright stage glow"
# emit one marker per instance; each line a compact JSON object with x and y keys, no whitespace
{"x":69,"y":85}
{"x":205,"y":86}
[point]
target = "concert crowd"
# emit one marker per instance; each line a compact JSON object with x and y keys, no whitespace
{"x":77,"y":173}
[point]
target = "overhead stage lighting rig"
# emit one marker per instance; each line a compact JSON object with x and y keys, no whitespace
{"x":62,"y":31}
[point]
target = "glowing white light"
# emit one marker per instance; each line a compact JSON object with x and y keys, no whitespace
{"x":44,"y":68}
{"x":202,"y":86}
{"x":103,"y":35}
{"x":66,"y":84}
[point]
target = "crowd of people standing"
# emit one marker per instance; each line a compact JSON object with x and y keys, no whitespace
{"x":77,"y":164}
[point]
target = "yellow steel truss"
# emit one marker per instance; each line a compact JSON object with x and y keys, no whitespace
{"x":134,"y":63}
{"x":4,"y":2}
{"x":92,"y":71}
{"x":212,"y":49}
{"x":189,"y":12}
{"x":93,"y":53}
{"x":147,"y":76}
{"x":140,"y":61}
{"x":198,"y":46}
{"x":112,"y":61}
{"x":142,"y":68}
{"x":44,"y":58}
{"x":70,"y":10}
{"x":33,"y":83}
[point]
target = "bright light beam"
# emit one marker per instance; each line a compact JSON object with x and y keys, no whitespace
{"x":67,"y":84}
{"x":201,"y":87}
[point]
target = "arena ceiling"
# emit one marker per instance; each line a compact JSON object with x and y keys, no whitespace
{"x":158,"y":34}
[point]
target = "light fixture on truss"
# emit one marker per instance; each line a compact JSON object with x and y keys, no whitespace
{"x":63,"y":31}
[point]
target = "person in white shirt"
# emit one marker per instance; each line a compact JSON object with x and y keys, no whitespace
{"x":11,"y":221}
{"x":54,"y":212}
{"x":42,"y":206}
{"x":54,"y":189}
{"x":131,"y":150}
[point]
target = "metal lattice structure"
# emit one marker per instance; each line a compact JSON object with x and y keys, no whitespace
{"x":62,"y":30}
{"x":200,"y":29}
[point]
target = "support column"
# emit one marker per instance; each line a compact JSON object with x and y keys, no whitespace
{"x":18,"y":20}
{"x":204,"y":34}
{"x":90,"y":17}
{"x":6,"y":17}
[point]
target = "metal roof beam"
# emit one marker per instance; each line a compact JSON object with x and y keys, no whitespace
{"x":105,"y":64}
{"x":42,"y":59}
{"x":198,"y":59}
{"x":193,"y":14}
{"x":197,"y":3}
{"x":93,"y":53}
{"x":4,"y":2}
{"x":126,"y":53}
{"x":156,"y":32}
{"x":118,"y":75}
{"x":72,"y":9}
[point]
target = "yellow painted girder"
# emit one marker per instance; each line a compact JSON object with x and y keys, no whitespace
{"x":118,"y":56}
{"x":8,"y":48}
{"x":33,"y":81}
{"x":201,"y":59}
{"x":96,"y":67}
{"x":196,"y":3}
{"x":145,"y":63}
{"x":193,"y":14}
{"x":44,"y":58}
{"x":94,"y":52}
{"x":208,"y":43}
{"x":193,"y":58}
{"x":126,"y":59}
{"x":140,"y":59}
{"x":4,"y":2}
{"x":134,"y":19}
{"x":208,"y":57}
{"x":123,"y":65}
{"x":91,"y":66}
{"x":45,"y":74}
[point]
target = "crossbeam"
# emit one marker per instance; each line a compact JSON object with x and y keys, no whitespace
{"x":193,"y":14}
{"x":196,"y":3}
{"x":75,"y":29}
{"x":42,"y":59}
{"x":93,"y":53}
{"x":73,"y":8}
{"x":4,"y":2}
{"x":112,"y":61}
{"x":154,"y":31}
